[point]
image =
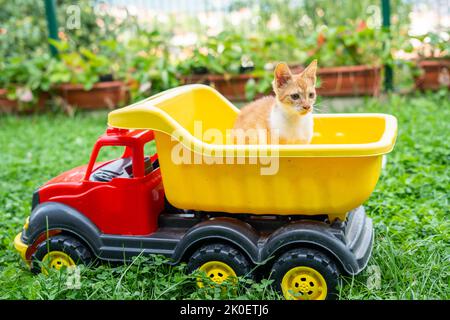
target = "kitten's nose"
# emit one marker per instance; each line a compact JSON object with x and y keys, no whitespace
{"x":307,"y":107}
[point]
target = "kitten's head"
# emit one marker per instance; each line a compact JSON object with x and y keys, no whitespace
{"x":295,"y":92}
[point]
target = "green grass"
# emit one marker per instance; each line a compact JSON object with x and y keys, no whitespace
{"x":409,"y":207}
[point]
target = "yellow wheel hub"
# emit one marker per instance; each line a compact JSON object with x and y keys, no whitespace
{"x":217,"y":271}
{"x":304,"y":283}
{"x":56,"y":260}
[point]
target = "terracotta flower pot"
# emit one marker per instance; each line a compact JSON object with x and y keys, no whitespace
{"x":108,"y":94}
{"x":346,"y":80}
{"x":335,"y":81}
{"x":349,"y":81}
{"x":232,"y":87}
{"x":14,"y":106}
{"x":435,"y":75}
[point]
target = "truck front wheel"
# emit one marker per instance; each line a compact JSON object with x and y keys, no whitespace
{"x":220,"y":262}
{"x":305,"y":274}
{"x":57,"y":252}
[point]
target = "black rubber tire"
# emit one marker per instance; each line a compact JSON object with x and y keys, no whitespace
{"x":79,"y":253}
{"x":308,"y":258}
{"x":224,"y":253}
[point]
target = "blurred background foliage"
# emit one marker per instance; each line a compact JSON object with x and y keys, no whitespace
{"x":150,"y":50}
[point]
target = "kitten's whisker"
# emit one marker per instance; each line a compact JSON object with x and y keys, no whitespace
{"x":323,"y":108}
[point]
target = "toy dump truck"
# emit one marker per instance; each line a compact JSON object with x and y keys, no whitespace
{"x":294,"y":210}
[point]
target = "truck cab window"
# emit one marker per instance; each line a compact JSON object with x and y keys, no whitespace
{"x":149,"y":151}
{"x":118,"y":168}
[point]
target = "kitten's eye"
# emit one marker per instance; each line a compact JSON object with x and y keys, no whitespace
{"x":311,"y":95}
{"x":295,"y":96}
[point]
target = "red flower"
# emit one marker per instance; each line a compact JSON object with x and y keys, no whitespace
{"x":320,"y":39}
{"x":361,"y":26}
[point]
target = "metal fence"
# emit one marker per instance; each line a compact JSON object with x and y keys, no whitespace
{"x":425,"y":15}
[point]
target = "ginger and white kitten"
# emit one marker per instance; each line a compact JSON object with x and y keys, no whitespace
{"x":289,"y":113}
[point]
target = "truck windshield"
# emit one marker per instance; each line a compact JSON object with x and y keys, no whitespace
{"x":122,"y":165}
{"x":120,"y":168}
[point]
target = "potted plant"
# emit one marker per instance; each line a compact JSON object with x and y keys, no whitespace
{"x":85,"y":79}
{"x":239,"y":66}
{"x":225,"y":62}
{"x":350,"y":60}
{"x":434,"y":62}
{"x":148,"y":65}
{"x":272,"y":49}
{"x":147,"y":75}
{"x":24,"y":83}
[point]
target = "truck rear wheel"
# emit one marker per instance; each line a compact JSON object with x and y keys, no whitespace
{"x":220,"y":262}
{"x":57,"y":252}
{"x":305,"y":274}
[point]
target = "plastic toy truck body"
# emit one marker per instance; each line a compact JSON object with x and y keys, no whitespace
{"x":221,"y":218}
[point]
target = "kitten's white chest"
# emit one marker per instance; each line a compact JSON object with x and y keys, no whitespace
{"x":293,"y":129}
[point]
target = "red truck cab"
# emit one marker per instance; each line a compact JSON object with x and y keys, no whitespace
{"x":122,"y":196}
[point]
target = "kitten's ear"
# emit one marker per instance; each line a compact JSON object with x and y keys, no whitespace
{"x":310,"y":71}
{"x":282,"y":74}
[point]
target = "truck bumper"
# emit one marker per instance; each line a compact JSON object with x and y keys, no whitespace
{"x":21,"y":247}
{"x":19,"y":244}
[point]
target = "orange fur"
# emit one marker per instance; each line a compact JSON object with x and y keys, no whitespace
{"x":289,"y":112}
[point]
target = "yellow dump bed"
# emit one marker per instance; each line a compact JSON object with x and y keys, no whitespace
{"x":202,"y":170}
